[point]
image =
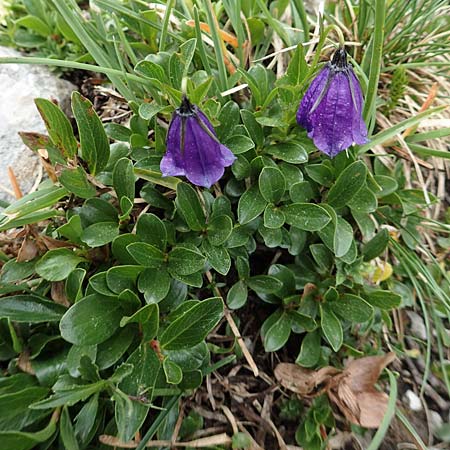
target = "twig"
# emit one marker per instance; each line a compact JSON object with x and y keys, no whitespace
{"x":235,"y":330}
{"x":15,"y":185}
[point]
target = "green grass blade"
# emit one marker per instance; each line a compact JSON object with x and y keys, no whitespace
{"x":382,"y":430}
{"x":162,"y":40}
{"x":386,"y":135}
{"x":375,"y":61}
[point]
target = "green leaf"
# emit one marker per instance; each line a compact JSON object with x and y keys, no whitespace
{"x":237,"y":295}
{"x":93,"y":140}
{"x":123,"y":179}
{"x":72,"y":229}
{"x":21,"y":440}
{"x":306,"y":216}
{"x":69,"y":396}
{"x":111,"y":350}
{"x":228,"y":118}
{"x":100,"y":233}
{"x":251,"y":205}
{"x":149,"y":110}
{"x":75,"y":181}
{"x":301,"y":192}
{"x":383,"y":299}
{"x":239,"y":144}
{"x":264,"y":284}
{"x":120,"y":278}
{"x":148,"y":319}
{"x":297,"y":68}
{"x":349,"y":182}
{"x":66,"y":431}
{"x":56,"y":264}
{"x":353,"y":308}
{"x":331,"y":327}
{"x":343,"y":237}
{"x":189,"y":205}
{"x":30,"y":308}
{"x":218,"y":257}
{"x":310,"y":350}
{"x":173,"y":372}
{"x":152,"y":230}
{"x":291,"y":152}
{"x":253,"y":128}
{"x":388,"y":185}
{"x":320,"y":173}
{"x":376,"y":246}
{"x":58,"y":127}
{"x":219,"y":229}
{"x":272,"y":184}
{"x":185,"y":261}
{"x":364,"y":201}
{"x":145,"y":254}
{"x":91,"y":320}
{"x":191,"y":327}
{"x":155,"y":284}
{"x":273,"y":217}
{"x":278,"y":334}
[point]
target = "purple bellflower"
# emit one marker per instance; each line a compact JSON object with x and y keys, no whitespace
{"x":192,"y":148}
{"x":331,"y":110}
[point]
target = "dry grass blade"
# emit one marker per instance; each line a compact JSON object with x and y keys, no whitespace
{"x":219,"y":439}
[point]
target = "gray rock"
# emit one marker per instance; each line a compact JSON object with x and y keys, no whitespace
{"x":436,"y":421}
{"x":417,"y":326}
{"x":413,"y":401}
{"x":20,"y":84}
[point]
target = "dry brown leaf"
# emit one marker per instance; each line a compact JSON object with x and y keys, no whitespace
{"x":58,"y":293}
{"x":300,"y":380}
{"x":353,"y":391}
{"x":28,"y":250}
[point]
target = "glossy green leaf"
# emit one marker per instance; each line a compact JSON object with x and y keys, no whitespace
{"x":100,"y":233}
{"x":155,"y":284}
{"x":331,"y":327}
{"x":291,"y":152}
{"x":190,"y":207}
{"x":148,"y":319}
{"x":376,"y":246}
{"x":93,"y":140}
{"x":75,"y":181}
{"x":91,"y":320}
{"x":185,"y":261}
{"x":272,"y":184}
{"x":57,"y":264}
{"x":349,"y":182}
{"x":239,"y":144}
{"x":218,"y":257}
{"x":219,"y":229}
{"x":151,"y":229}
{"x":30,"y":308}
{"x":306,"y":216}
{"x":146,"y":254}
{"x":353,"y":308}
{"x":193,"y":325}
{"x":237,"y":295}
{"x":383,"y":299}
{"x":58,"y":127}
{"x":123,"y":179}
{"x":278,"y":334}
{"x":264,"y":284}
{"x":251,"y":205}
{"x":173,"y":372}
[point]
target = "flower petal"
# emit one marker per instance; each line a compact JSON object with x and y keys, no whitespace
{"x":312,"y":94}
{"x":202,"y":154}
{"x":172,"y":163}
{"x":332,"y":121}
{"x":358,"y":124}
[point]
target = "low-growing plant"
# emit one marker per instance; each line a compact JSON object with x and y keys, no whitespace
{"x":122,"y":273}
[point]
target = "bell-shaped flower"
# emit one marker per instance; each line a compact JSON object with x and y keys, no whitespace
{"x":192,"y":148}
{"x":331,"y":109}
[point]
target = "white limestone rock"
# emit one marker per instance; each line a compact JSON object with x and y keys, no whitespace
{"x":20,"y":84}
